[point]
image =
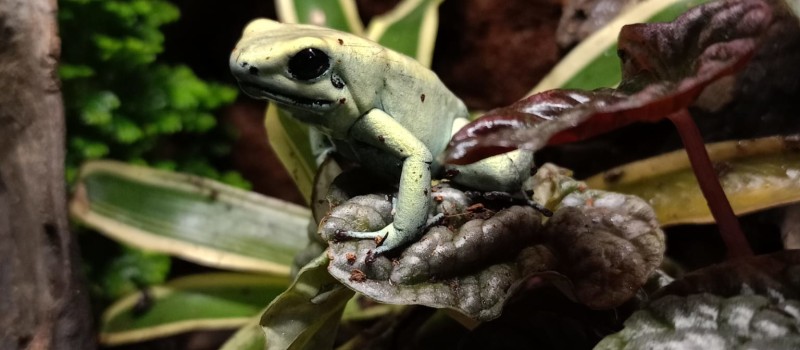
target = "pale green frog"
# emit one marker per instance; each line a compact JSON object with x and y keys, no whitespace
{"x":375,"y":106}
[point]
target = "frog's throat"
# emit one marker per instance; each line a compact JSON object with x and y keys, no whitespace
{"x":258,"y":92}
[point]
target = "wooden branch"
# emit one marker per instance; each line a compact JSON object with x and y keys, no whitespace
{"x":43,"y":304}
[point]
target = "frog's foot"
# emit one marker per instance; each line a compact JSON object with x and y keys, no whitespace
{"x":502,"y":196}
{"x":540,"y":208}
{"x":387,"y":239}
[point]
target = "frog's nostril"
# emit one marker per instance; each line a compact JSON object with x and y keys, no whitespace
{"x":253,"y":70}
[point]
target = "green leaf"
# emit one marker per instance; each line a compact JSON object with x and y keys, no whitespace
{"x":410,"y":28}
{"x":337,"y":14}
{"x":306,"y":316}
{"x":594,"y":63}
{"x":190,"y":217}
{"x":72,"y":71}
{"x":98,"y":108}
{"x":289,"y":139}
{"x":755,"y":174}
{"x":199,"y":302}
{"x":249,"y":337}
{"x":133,"y":269}
{"x":89,"y":149}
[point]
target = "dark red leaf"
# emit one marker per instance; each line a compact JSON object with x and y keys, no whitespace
{"x":665,"y":68}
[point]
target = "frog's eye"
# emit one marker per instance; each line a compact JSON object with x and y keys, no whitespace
{"x":308,"y":64}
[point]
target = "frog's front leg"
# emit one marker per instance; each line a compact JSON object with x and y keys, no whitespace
{"x":381,"y":131}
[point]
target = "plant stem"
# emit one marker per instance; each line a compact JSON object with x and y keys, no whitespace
{"x":727,"y":222}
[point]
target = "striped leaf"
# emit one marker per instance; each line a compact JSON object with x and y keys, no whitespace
{"x":410,"y":28}
{"x":594,"y":63}
{"x":200,"y":302}
{"x":755,"y":174}
{"x":190,"y":217}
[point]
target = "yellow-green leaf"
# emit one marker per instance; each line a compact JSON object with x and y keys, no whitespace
{"x":337,"y":14}
{"x":249,"y":337}
{"x":594,"y":63}
{"x":289,"y":139}
{"x":199,"y":302}
{"x":190,"y":217}
{"x":755,"y":174}
{"x":410,"y":28}
{"x":307,"y":315}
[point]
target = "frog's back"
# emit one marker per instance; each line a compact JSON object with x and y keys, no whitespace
{"x":416,"y":97}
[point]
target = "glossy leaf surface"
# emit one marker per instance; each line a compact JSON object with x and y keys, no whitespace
{"x":666,"y":66}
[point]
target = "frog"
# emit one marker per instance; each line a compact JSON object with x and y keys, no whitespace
{"x":373,"y":106}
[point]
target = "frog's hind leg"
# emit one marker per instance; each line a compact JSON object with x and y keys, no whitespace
{"x":503,"y":172}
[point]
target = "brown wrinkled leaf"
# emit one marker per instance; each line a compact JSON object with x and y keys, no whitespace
{"x":609,"y":245}
{"x":775,"y":275}
{"x":464,"y":271}
{"x":666,"y":66}
{"x":599,"y":247}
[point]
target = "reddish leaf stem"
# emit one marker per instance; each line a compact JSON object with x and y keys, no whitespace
{"x":727,"y":222}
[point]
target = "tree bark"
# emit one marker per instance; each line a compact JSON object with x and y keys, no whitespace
{"x":43,"y":304}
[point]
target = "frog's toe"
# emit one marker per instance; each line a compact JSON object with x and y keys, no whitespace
{"x":342,"y":235}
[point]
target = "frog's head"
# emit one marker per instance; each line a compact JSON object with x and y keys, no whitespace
{"x":300,"y":67}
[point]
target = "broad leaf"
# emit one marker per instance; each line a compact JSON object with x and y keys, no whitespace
{"x":746,"y":303}
{"x":486,"y":248}
{"x":190,"y":217}
{"x":289,"y":139}
{"x":706,"y":321}
{"x":665,"y":68}
{"x":410,"y":28}
{"x":593,"y":63}
{"x":287,"y":136}
{"x":199,"y":302}
{"x":306,"y":316}
{"x":756,"y":174}
{"x":773,"y":275}
{"x":337,"y":14}
{"x":249,"y":337}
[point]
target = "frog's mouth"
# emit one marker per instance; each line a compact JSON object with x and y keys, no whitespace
{"x":258,"y":91}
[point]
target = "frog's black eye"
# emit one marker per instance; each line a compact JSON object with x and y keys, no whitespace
{"x":308,"y":64}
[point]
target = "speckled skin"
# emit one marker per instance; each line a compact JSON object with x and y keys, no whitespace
{"x":375,"y":106}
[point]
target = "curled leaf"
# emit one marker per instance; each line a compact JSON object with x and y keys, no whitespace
{"x":599,"y":247}
{"x":463,"y":270}
{"x":773,"y":275}
{"x":666,"y":66}
{"x":609,"y":245}
{"x":306,"y":316}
